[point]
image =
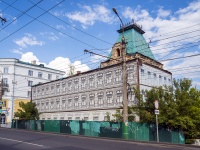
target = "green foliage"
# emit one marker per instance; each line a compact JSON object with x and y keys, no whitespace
{"x":28,"y":111}
{"x":119,"y":115}
{"x":179,"y":107}
{"x":107,"y":116}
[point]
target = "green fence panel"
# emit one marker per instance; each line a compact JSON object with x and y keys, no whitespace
{"x":65,"y":126}
{"x":13,"y":124}
{"x":52,"y":125}
{"x":138,"y":131}
{"x":22,"y":124}
{"x":178,"y":137}
{"x":32,"y":125}
{"x":91,"y":128}
{"x":111,"y":129}
{"x":165,"y":135}
{"x":38,"y":125}
{"x":75,"y":127}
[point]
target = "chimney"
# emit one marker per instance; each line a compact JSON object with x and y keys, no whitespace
{"x":34,"y":62}
{"x":78,"y":72}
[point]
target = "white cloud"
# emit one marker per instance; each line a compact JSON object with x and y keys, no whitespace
{"x":163,"y":13}
{"x":96,"y":59}
{"x":60,"y":27}
{"x":171,"y":32}
{"x":156,"y":28}
{"x":28,"y":40}
{"x":90,"y":14}
{"x":50,"y":35}
{"x":63,"y":64}
{"x":59,"y":63}
{"x":29,"y":57}
{"x":17,"y":51}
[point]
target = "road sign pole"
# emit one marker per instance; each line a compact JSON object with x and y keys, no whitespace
{"x":157,"y":128}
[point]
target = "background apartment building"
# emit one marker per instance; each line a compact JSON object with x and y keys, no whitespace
{"x":18,"y":77}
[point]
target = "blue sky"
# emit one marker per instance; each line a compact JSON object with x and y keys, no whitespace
{"x":56,"y":32}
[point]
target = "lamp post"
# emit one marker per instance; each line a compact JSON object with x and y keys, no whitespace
{"x":125,"y":99}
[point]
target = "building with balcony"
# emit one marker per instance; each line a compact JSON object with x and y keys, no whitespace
{"x":93,"y":94}
{"x":18,"y":77}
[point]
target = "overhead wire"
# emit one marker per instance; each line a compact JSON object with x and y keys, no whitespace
{"x":20,"y":15}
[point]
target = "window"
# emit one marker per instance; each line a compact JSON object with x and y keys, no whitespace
{"x":49,"y":76}
{"x":63,"y":103}
{"x":91,"y":81}
{"x":118,"y":75}
{"x":109,"y":97}
{"x":69,"y":118}
{"x":69,"y":102}
{"x":165,"y":79}
{"x":77,"y":118}
{"x":83,"y":98}
{"x":118,"y":52}
{"x":160,"y":78}
{"x":119,"y":96}
{"x":47,"y":105}
{"x":5,"y":81}
{"x":63,"y":86}
{"x":83,"y":83}
{"x":99,"y":78}
{"x":30,"y":83}
{"x":85,"y":118}
{"x":100,"y":98}
{"x":30,"y":73}
{"x":29,"y":94}
{"x":39,"y":74}
{"x":149,"y":75}
{"x":76,"y":86}
{"x":108,"y":77}
{"x":91,"y":97}
{"x":58,"y":103}
{"x":5,"y":70}
{"x":57,"y":76}
{"x":62,"y":118}
{"x":142,"y":72}
{"x":70,"y":85}
{"x":154,"y":75}
{"x":76,"y":101}
{"x":95,"y":118}
{"x":169,"y":80}
{"x":130,"y":72}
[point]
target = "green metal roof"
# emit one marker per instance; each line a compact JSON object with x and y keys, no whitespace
{"x":135,"y":42}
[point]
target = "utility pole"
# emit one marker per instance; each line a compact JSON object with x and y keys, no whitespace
{"x":125,"y":99}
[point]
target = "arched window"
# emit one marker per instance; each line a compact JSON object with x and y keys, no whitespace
{"x":118,"y":52}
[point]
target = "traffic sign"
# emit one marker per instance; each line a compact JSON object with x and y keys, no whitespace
{"x":156,"y":104}
{"x":157,"y":112}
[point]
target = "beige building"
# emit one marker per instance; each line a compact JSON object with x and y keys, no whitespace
{"x":91,"y":95}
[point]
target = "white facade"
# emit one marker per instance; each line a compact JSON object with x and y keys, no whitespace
{"x":18,"y":77}
{"x":90,"y":95}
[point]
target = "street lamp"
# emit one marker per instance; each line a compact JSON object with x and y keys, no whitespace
{"x":125,"y":99}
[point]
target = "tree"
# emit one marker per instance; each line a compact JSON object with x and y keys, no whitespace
{"x":179,"y":107}
{"x":119,"y":115}
{"x":28,"y":111}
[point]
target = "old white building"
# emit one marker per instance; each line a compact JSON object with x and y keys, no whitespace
{"x":18,"y":77}
{"x":90,"y":95}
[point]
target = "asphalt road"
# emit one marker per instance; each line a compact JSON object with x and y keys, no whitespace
{"x":12,"y":139}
